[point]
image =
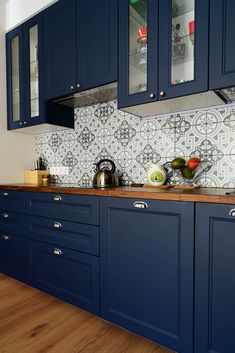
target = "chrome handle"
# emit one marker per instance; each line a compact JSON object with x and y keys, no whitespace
{"x":57,"y":252}
{"x":71,"y":87}
{"x":57,"y":225}
{"x":140,"y":204}
{"x":162,"y":93}
{"x":21,"y":123}
{"x":5,"y":237}
{"x":232,"y":213}
{"x":152,"y":95}
{"x":78,"y":85}
{"x":57,"y":198}
{"x":5,"y":194}
{"x":25,"y":123}
{"x":5,"y":215}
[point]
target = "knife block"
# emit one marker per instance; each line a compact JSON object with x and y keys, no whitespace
{"x":34,"y":176}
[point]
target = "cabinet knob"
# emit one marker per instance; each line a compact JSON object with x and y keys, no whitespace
{"x":20,"y":123}
{"x":5,"y":237}
{"x":25,"y":123}
{"x":72,"y":87}
{"x":162,"y":93}
{"x":152,"y":95}
{"x":232,"y":213}
{"x":5,"y":194}
{"x":78,"y":85}
{"x":57,"y":225}
{"x":57,"y":198}
{"x":140,"y":204}
{"x":57,"y":252}
{"x":5,"y":215}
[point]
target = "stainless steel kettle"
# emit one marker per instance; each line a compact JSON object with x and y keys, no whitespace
{"x":105,"y":177}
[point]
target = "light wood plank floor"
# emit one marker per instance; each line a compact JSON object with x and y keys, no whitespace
{"x":34,"y":322}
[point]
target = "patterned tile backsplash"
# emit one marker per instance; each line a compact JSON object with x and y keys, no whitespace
{"x":102,"y":131}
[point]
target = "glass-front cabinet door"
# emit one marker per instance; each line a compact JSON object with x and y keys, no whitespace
{"x":14,"y":49}
{"x":138,"y":47}
{"x":33,"y":70}
{"x":24,"y":49}
{"x":183,"y":60}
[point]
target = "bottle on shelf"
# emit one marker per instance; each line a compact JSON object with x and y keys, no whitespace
{"x":178,"y":42}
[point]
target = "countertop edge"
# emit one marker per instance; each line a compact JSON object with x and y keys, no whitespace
{"x":210,"y":195}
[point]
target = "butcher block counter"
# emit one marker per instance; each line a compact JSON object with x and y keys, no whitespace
{"x":209,"y":195}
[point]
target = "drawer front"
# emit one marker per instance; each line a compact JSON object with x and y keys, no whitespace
{"x":69,"y":275}
{"x":76,"y":208}
{"x":13,"y":251}
{"x":75,"y":236}
{"x":12,"y":222}
{"x":12,"y":200}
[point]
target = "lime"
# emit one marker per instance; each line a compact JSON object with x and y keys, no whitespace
{"x":178,"y":163}
{"x":187,"y":173}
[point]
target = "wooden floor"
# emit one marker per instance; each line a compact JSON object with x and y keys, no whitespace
{"x":34,"y":322}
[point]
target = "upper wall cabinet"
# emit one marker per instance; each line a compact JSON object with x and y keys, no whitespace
{"x":24,"y":70}
{"x":25,"y":91}
{"x":222,"y":50}
{"x":80,"y":46}
{"x":163,"y":49}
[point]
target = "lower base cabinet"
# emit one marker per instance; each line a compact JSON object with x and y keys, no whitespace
{"x":13,"y":250}
{"x":215,"y":279}
{"x":69,"y":275}
{"x":147,"y":255}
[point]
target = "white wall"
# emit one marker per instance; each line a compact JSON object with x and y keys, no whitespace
{"x":18,"y":11}
{"x":16,"y":150}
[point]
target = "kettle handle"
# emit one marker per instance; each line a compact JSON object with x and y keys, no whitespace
{"x":106,"y":160}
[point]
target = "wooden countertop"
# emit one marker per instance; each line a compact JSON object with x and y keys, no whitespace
{"x":212,"y":195}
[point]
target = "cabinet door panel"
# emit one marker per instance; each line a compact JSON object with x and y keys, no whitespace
{"x":15,"y":83}
{"x":97,"y":42}
{"x":75,"y":208}
{"x":12,"y":222}
{"x":215,"y":281}
{"x":12,"y":200}
{"x":60,"y":48}
{"x":138,"y":52}
{"x":33,"y":70}
{"x":222,"y":51}
{"x":13,"y":255}
{"x":183,"y":61}
{"x":147,"y":269}
{"x":71,"y":235}
{"x":69,"y":275}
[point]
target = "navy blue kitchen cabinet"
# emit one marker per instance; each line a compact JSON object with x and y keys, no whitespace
{"x":215,"y":281}
{"x":222,"y":51}
{"x":75,"y":208}
{"x":147,"y":256}
{"x":25,"y":77}
{"x":13,"y":255}
{"x":69,"y":275}
{"x":60,"y":48}
{"x":24,"y":49}
{"x":163,"y":50}
{"x":80,"y":46}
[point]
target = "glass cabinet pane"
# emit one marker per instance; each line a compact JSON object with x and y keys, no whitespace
{"x":15,"y":79}
{"x":182,"y":48}
{"x":137,"y":46}
{"x":34,"y":80}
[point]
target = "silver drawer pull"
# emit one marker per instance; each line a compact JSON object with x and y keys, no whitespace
{"x":232,"y":213}
{"x":5,"y":215}
{"x":5,"y":194}
{"x":57,"y":252}
{"x":57,"y":198}
{"x":57,"y":225}
{"x":140,"y":204}
{"x":5,"y":237}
